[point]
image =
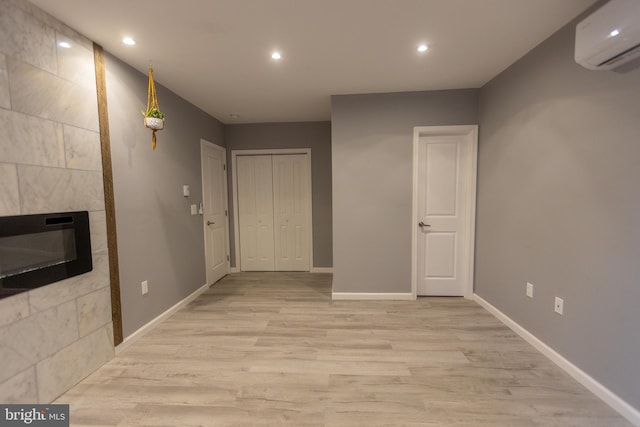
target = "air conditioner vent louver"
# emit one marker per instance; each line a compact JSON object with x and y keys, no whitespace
{"x":623,"y":57}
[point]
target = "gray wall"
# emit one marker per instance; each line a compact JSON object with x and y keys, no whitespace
{"x":558,"y":206}
{"x":372,"y":149}
{"x":158,"y":240}
{"x":314,"y":135}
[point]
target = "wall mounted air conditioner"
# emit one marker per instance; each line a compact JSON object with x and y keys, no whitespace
{"x":610,"y":36}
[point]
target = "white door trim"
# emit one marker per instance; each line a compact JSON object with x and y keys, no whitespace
{"x":234,"y":189}
{"x":204,"y":143}
{"x":471,"y":131}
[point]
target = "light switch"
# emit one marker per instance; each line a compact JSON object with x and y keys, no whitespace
{"x":186,"y":192}
{"x":194,"y":209}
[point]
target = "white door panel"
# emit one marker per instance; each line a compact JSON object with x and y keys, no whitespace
{"x":291,"y":199}
{"x":274,"y":204}
{"x":440,"y":254}
{"x":441,"y":181}
{"x":214,"y":189}
{"x":443,"y":210}
{"x":255,"y":213}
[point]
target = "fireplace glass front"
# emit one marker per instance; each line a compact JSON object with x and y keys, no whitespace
{"x":36,"y":250}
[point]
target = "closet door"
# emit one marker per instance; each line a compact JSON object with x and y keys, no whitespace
{"x":291,"y":200}
{"x":255,"y":212}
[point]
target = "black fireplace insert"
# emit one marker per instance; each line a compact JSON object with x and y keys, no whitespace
{"x":36,"y":250}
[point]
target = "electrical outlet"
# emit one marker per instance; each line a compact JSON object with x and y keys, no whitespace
{"x":145,"y":287}
{"x":559,"y":305}
{"x":194,"y":209}
{"x":530,"y":290}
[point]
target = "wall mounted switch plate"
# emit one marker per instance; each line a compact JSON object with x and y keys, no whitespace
{"x":530,"y":290}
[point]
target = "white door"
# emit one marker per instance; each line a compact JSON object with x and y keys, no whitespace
{"x":255,"y":212}
{"x":216,"y":226}
{"x":291,"y":210}
{"x":274,"y":210}
{"x":445,"y":212}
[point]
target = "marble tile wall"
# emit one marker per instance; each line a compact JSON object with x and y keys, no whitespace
{"x":50,"y":161}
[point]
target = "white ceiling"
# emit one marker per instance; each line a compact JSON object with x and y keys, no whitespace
{"x":216,"y":53}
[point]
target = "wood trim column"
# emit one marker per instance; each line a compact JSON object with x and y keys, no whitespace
{"x":109,"y":202}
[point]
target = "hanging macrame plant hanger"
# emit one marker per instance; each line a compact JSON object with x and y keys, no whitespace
{"x":153,"y":117}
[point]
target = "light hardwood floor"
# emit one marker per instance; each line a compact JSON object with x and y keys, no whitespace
{"x":263,"y":349}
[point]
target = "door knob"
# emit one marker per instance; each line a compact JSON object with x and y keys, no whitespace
{"x":210,"y":222}
{"x":422,"y":224}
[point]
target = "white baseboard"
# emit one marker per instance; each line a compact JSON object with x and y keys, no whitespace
{"x":321,"y":270}
{"x":128,"y":341}
{"x":312,"y":270}
{"x":372,"y":296}
{"x":610,"y":398}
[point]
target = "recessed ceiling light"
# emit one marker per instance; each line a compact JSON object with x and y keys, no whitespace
{"x":65,"y":45}
{"x":614,"y":33}
{"x":234,"y":116}
{"x":422,"y":48}
{"x":128,"y":41}
{"x":276,"y":55}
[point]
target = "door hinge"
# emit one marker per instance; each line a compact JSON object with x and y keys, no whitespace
{"x":225,"y":213}
{"x":227,"y":257}
{"x":224,"y":166}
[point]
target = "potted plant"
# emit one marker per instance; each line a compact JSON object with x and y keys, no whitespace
{"x":154,"y":118}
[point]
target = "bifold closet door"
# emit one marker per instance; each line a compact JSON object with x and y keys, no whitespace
{"x":291,"y":212}
{"x":255,"y":212}
{"x":274,"y":203}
